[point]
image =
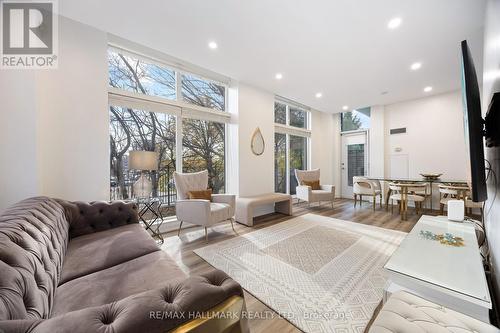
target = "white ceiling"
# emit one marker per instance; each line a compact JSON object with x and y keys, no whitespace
{"x":341,"y":48}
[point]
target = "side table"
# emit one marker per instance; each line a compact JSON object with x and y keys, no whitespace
{"x":151,"y":217}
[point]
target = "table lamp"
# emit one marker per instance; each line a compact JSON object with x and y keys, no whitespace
{"x":143,"y":161}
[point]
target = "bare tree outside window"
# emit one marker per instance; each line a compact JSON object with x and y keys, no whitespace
{"x":203,"y":148}
{"x":280,"y":162}
{"x":279,"y":113}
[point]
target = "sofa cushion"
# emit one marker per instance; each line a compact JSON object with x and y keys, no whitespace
{"x":150,"y":271}
{"x":94,"y":252}
{"x":33,"y":240}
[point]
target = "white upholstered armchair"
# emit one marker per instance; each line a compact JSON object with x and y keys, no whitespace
{"x":308,"y":193}
{"x":198,"y":211}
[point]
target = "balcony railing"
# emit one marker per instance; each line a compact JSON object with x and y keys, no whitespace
{"x":164,"y":190}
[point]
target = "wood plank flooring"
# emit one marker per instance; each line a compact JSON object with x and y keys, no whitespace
{"x":181,"y":249}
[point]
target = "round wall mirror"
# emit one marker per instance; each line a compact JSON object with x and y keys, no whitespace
{"x":258,"y":145}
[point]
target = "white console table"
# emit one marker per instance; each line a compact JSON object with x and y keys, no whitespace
{"x":448,"y":275}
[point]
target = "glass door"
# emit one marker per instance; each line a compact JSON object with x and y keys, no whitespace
{"x":354,"y":160}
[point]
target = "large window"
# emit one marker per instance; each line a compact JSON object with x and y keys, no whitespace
{"x":290,"y":145}
{"x":132,"y":129}
{"x":136,"y":75}
{"x":181,"y":105}
{"x":286,"y":114}
{"x":358,"y":119}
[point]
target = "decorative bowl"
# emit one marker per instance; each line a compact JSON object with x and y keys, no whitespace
{"x":431,"y":176}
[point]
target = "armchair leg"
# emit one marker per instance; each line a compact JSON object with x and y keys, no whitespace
{"x":355,"y":200}
{"x":179,"y":232}
{"x":232,"y":224}
{"x":332,"y":204}
{"x":374,"y":202}
{"x":206,"y":235}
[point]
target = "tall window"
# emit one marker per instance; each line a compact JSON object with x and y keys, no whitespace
{"x":290,"y":145}
{"x":151,"y":123}
{"x":358,"y":119}
{"x":132,"y":129}
{"x":280,"y":162}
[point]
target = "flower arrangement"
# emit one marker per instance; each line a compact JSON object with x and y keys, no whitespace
{"x":445,"y":239}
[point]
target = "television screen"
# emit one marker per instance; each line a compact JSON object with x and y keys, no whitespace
{"x":473,"y":126}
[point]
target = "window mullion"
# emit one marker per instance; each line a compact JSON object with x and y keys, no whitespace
{"x":178,"y":143}
{"x":287,"y":159}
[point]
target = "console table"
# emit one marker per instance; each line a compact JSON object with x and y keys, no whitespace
{"x":452,"y":276}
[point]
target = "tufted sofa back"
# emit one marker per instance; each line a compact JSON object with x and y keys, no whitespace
{"x":89,"y":217}
{"x":33,"y":241}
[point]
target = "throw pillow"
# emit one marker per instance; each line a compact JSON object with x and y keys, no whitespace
{"x":204,"y":194}
{"x":313,"y":183}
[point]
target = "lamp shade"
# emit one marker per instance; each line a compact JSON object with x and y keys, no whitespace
{"x":143,"y":160}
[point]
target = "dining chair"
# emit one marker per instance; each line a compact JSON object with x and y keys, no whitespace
{"x":363,"y":186}
{"x":403,"y":193}
{"x":449,"y":192}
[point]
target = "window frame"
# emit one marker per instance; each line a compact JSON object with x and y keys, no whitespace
{"x":178,"y":72}
{"x":354,"y":130}
{"x":175,"y":107}
{"x":288,"y":130}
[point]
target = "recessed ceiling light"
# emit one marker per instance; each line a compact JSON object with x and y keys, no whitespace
{"x":213,"y":45}
{"x":319,"y":95}
{"x":345,"y":108}
{"x":415,"y":66}
{"x":427,"y":89}
{"x":394,"y":23}
{"x":278,"y":76}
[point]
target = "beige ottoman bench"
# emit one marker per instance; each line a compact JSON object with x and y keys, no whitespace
{"x":245,"y":205}
{"x":407,"y":313}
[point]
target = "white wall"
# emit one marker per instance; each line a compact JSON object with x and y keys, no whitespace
{"x":321,"y":145}
{"x":376,"y":141}
{"x":255,"y":109}
{"x":491,"y":84}
{"x":18,"y":167}
{"x":434,"y":138}
{"x":73,"y":127}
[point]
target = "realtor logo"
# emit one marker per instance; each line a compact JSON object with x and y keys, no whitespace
{"x":29,"y":34}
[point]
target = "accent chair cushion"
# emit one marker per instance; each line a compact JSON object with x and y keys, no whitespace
{"x":314,"y":184}
{"x":204,"y":194}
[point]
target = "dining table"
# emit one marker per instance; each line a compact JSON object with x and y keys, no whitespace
{"x":460,"y":185}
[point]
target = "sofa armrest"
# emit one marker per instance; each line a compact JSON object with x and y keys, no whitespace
{"x":89,"y":217}
{"x":195,"y":211}
{"x":229,"y":199}
{"x":153,"y":311}
{"x":329,"y":188}
{"x":303,"y":192}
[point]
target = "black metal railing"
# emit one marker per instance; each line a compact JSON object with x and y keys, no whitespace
{"x":164,"y":189}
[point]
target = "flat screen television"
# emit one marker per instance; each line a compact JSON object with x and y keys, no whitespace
{"x":473,"y":126}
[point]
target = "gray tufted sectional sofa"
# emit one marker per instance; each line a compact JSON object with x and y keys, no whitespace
{"x":91,"y":267}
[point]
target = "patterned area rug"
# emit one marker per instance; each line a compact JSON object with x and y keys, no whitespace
{"x":321,"y":274}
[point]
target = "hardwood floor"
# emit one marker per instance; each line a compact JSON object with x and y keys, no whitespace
{"x":181,"y":249}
